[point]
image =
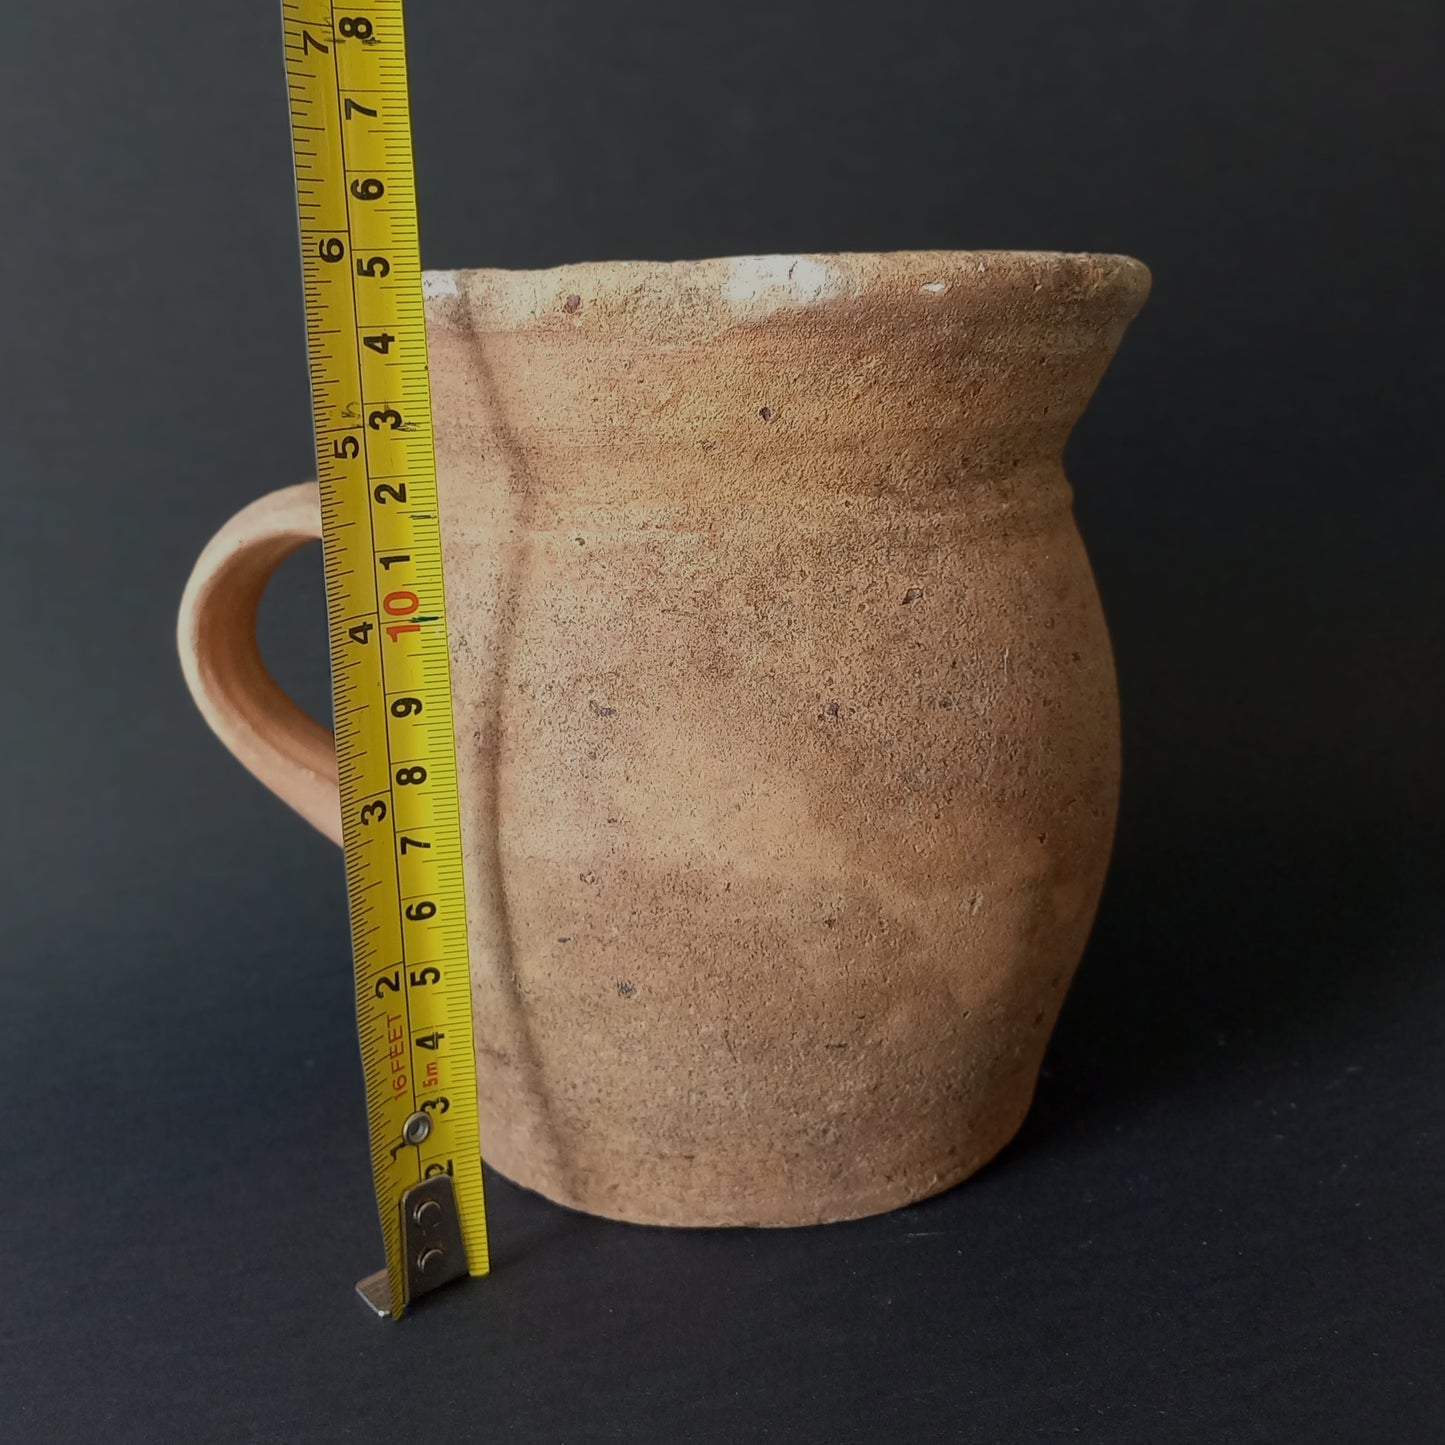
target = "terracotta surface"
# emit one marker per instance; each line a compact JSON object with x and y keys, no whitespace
{"x":785,"y":708}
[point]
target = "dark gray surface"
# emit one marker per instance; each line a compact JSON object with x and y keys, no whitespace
{"x":1225,"y":1219}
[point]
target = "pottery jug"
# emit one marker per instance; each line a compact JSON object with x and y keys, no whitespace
{"x":786,"y":716}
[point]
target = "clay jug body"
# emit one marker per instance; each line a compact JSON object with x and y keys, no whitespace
{"x":786,"y":717}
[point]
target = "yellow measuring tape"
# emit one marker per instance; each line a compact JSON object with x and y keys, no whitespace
{"x":391,"y":675}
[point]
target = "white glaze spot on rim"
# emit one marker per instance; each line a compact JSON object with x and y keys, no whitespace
{"x":769,"y":283}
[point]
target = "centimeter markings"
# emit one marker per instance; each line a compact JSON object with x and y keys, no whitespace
{"x":396,"y":757}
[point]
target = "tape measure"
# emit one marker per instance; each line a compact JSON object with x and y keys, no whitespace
{"x":391,"y":673}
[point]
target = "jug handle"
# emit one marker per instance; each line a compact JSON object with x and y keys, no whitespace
{"x":286,"y":748}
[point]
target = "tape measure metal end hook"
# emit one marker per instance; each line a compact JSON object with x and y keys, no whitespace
{"x":433,"y":1249}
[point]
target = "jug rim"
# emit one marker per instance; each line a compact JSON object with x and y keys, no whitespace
{"x":729,"y":290}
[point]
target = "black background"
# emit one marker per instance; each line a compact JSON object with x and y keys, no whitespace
{"x":1224,"y":1220}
